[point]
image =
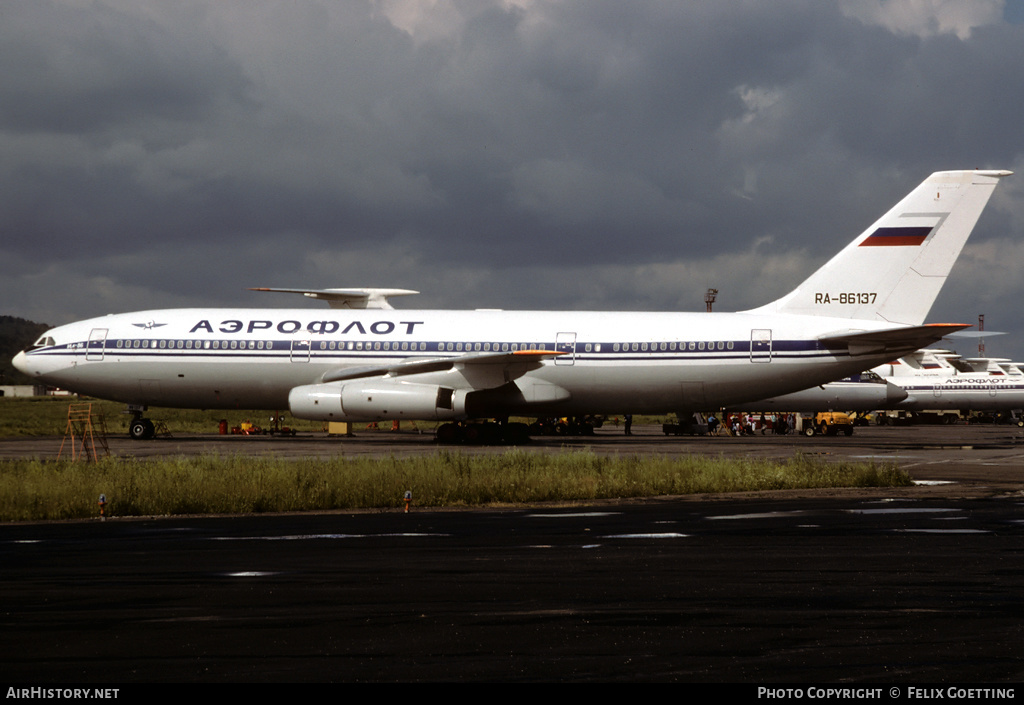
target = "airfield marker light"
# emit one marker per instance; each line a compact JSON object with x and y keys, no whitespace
{"x":408,"y":500}
{"x":103,"y":505}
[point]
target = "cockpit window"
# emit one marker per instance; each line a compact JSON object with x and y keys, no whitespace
{"x":44,"y":342}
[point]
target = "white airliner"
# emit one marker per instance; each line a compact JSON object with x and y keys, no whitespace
{"x":864,"y":307}
{"x":940,"y":380}
{"x":926,"y":380}
{"x":860,"y":392}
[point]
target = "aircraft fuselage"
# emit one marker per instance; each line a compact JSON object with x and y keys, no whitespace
{"x":609,"y":363}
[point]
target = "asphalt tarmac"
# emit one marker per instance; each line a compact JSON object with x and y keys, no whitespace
{"x":917,"y":585}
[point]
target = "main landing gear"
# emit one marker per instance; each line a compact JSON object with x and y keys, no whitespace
{"x":503,"y":431}
{"x":483,"y":433}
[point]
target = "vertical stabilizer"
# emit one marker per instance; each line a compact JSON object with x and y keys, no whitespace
{"x":895,"y":269}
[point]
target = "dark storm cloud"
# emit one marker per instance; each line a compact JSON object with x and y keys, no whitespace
{"x":92,"y":68}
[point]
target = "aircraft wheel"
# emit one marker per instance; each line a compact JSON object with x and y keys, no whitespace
{"x":489,"y":432}
{"x":141,"y":429}
{"x":473,"y":433}
{"x":516,"y":433}
{"x":448,"y":433}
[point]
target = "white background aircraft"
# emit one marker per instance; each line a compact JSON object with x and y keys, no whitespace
{"x":940,"y":380}
{"x":865,"y":391}
{"x":926,"y":380}
{"x":361,"y":361}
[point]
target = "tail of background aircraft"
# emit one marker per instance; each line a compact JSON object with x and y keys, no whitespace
{"x":895,"y":269}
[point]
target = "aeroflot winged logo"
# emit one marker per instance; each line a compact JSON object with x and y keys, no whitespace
{"x":148,"y":325}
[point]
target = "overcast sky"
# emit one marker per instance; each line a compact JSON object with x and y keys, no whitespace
{"x":562,"y":154}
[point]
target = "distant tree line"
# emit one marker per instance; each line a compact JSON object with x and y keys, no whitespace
{"x":16,"y":334}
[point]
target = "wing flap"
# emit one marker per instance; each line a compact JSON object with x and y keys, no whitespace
{"x":524,"y":360}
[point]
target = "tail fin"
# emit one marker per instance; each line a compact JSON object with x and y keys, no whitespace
{"x":895,"y":269}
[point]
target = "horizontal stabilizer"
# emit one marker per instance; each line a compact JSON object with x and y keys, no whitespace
{"x":347,"y":298}
{"x":896,"y":341}
{"x":976,"y":333}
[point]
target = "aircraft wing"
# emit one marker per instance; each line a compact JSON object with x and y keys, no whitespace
{"x":898,"y":341}
{"x":347,"y":298}
{"x":518,"y":362}
{"x":431,"y":388}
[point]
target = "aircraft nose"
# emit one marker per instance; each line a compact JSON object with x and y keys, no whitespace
{"x":894,"y":394}
{"x":20,"y":363}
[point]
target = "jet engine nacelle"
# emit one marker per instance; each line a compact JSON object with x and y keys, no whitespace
{"x":380,"y":400}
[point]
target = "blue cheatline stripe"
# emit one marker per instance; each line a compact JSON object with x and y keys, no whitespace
{"x":599,"y":349}
{"x":282,"y":351}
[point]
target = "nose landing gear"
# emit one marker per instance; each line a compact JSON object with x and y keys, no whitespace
{"x":140,"y":428}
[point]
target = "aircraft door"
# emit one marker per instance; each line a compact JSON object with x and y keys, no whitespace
{"x":565,"y":343}
{"x":97,"y":343}
{"x":300,"y":350}
{"x":761,"y":345}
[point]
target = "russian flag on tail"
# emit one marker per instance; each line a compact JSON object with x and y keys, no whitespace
{"x":897,"y":237}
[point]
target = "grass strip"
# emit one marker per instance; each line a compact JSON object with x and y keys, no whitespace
{"x":48,"y":416}
{"x":34,"y":489}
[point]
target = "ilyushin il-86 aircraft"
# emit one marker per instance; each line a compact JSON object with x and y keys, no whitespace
{"x":365,"y":361}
